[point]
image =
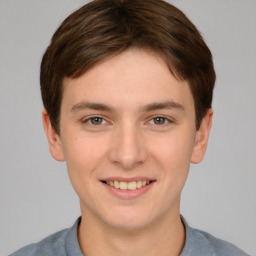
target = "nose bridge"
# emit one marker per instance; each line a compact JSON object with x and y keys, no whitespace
{"x":128,"y":147}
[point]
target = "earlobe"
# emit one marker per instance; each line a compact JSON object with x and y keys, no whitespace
{"x":54,"y":142}
{"x":202,"y":137}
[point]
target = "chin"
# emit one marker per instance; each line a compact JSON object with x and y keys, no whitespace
{"x":128,"y":219}
{"x":129,"y":225}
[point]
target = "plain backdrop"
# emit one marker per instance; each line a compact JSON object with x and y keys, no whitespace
{"x":36,"y":197}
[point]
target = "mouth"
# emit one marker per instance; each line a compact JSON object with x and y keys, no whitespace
{"x":131,"y":185}
{"x":128,"y":188}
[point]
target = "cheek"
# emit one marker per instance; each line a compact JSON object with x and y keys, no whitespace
{"x":173,"y":151}
{"x":173,"y":157}
{"x":82,"y":154}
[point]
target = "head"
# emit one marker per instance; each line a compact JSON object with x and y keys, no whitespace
{"x":105,"y":28}
{"x":127,"y":89}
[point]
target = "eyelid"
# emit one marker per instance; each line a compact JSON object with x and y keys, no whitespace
{"x":168,"y":119}
{"x":88,"y":118}
{"x":150,"y":119}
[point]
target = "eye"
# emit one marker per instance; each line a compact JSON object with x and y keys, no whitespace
{"x":96,"y":120}
{"x":159,"y":120}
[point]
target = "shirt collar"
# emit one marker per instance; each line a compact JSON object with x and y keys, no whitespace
{"x":195,"y":242}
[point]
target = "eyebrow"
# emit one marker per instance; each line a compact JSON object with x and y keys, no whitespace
{"x":89,"y":105}
{"x":163,"y":105}
{"x":147,"y":108}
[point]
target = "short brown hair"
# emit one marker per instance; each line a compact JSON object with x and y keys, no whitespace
{"x":103,"y":28}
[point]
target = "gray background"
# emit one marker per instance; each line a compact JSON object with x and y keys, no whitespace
{"x":36,"y":197}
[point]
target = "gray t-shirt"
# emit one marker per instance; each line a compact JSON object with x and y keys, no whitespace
{"x":65,"y":243}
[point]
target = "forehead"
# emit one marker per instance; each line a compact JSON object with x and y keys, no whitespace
{"x":133,"y":77}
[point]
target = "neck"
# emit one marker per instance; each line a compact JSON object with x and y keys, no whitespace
{"x":166,"y":237}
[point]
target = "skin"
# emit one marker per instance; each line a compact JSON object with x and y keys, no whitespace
{"x":127,"y":140}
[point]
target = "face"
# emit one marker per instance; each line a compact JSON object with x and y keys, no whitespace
{"x":128,"y":136}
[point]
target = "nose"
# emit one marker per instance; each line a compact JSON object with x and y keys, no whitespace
{"x":128,"y":149}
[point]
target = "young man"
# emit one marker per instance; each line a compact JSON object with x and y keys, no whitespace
{"x":127,"y":89}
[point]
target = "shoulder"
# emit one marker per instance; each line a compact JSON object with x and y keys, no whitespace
{"x":64,"y":242}
{"x":219,"y":246}
{"x":51,"y":245}
{"x":201,"y":243}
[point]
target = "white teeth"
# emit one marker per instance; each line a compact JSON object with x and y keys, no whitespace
{"x":132,"y":185}
{"x":116,"y":184}
{"x":123,"y":185}
{"x":128,"y":185}
{"x":139,"y":184}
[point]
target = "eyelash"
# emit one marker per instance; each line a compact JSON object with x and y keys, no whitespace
{"x":167,"y":121}
{"x":89,"y":120}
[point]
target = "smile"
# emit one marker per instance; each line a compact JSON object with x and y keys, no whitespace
{"x":133,"y":185}
{"x":128,"y":188}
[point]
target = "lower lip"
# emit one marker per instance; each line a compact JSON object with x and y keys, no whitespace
{"x":129,"y":194}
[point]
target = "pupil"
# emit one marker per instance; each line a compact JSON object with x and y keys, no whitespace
{"x":159,"y":120}
{"x":96,"y":120}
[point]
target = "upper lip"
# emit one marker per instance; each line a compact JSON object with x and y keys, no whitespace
{"x":128,"y":179}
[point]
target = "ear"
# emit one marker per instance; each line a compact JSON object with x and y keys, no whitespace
{"x":55,"y":145}
{"x":202,"y":137}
